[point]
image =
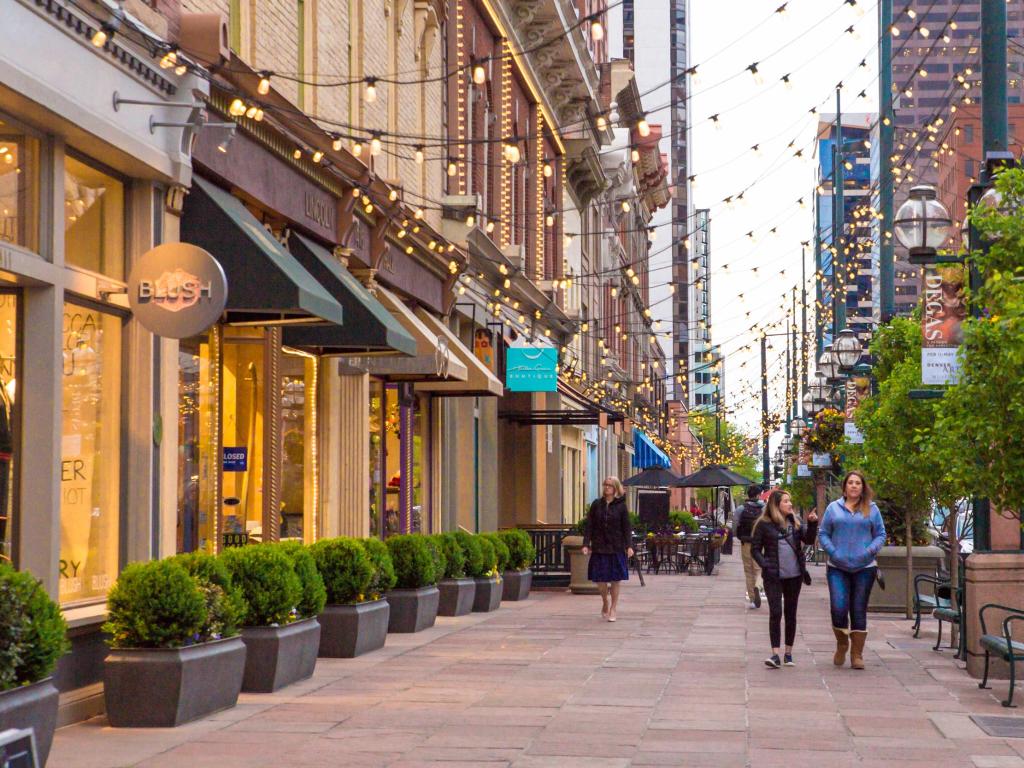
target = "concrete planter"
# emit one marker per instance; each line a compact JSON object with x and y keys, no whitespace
{"x":516,"y":584}
{"x":892,"y":562}
{"x":347,"y":631}
{"x":165,"y":687}
{"x":32,"y":706}
{"x":413,"y":610}
{"x":279,"y":656}
{"x":579,"y":583}
{"x":488,"y":595}
{"x":456,"y":597}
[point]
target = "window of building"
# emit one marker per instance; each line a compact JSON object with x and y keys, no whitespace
{"x":197,"y":443}
{"x":94,"y":208}
{"x":90,"y":467}
{"x":377,"y":423}
{"x":299,"y":475}
{"x":19,"y":187}
{"x":8,"y":421}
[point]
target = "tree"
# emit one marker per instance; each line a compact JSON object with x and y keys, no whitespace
{"x":723,"y":444}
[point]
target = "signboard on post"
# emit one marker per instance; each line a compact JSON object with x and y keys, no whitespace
{"x":942,"y":323}
{"x":856,"y":390}
{"x":803,"y":461}
{"x":531,"y":369}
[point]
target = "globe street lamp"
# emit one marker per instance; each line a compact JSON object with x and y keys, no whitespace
{"x":828,"y":364}
{"x":847,"y":349}
{"x":797,"y":425}
{"x":922,"y":224}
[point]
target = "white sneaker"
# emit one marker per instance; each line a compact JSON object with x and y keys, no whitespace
{"x":752,"y":606}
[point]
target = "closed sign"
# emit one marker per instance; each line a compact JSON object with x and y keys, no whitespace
{"x":177,"y":290}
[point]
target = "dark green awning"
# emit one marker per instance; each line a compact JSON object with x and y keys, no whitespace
{"x":266,"y":284}
{"x":369,"y":328}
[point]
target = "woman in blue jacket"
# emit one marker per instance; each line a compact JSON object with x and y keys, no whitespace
{"x":851,"y":533}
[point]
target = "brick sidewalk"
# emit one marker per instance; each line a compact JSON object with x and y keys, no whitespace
{"x":678,"y":680}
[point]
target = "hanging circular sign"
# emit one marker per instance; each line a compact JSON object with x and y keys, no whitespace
{"x":177,"y":290}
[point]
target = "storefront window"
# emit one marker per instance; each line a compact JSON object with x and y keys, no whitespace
{"x":376,"y":453}
{"x":197,"y":431}
{"x":392,"y":462}
{"x":90,"y":453}
{"x":8,"y":443}
{"x":299,"y":497}
{"x":93,"y":219}
{"x":420,"y":521}
{"x":405,"y":426}
{"x":19,"y":187}
{"x":243,"y":388}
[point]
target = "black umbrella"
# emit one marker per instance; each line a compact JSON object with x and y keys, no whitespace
{"x":653,"y":477}
{"x":714,"y":476}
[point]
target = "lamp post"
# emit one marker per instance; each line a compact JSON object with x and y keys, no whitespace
{"x":923,"y":225}
{"x":765,"y":471}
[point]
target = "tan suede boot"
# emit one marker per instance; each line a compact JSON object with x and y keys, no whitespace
{"x":842,"y":645}
{"x":857,"y":639}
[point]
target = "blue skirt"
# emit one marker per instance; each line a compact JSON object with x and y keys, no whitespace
{"x":605,"y":568}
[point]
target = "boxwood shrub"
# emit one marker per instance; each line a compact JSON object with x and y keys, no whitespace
{"x":314,"y":595}
{"x":156,"y":604}
{"x":488,"y":555}
{"x":455,"y":558}
{"x":384,"y":569}
{"x":268,"y":582}
{"x":437,"y":555}
{"x":473,"y":553}
{"x":33,"y":633}
{"x":520,"y":548}
{"x":501,"y":553}
{"x":346,"y":569}
{"x":225,"y":605}
{"x":413,"y":559}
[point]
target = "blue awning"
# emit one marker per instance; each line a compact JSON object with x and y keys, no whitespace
{"x":646,"y":453}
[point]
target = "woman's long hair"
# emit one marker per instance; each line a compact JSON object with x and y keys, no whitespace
{"x":773,"y":510}
{"x":866,"y":495}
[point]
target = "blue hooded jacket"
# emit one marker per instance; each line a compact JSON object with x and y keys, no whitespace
{"x":850,"y":539}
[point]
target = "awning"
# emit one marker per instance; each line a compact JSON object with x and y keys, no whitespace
{"x":646,"y":453}
{"x":433,"y":361}
{"x":480,"y":381}
{"x":369,"y":328}
{"x":266,"y":285}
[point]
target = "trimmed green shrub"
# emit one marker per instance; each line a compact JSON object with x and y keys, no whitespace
{"x":413,"y":559}
{"x":501,"y":553}
{"x":225,"y":604}
{"x":487,"y":554}
{"x":33,"y":633}
{"x":681,"y":518}
{"x":438,"y":556}
{"x":521,"y":551}
{"x":266,"y":578}
{"x":314,"y":595}
{"x":455,"y":558}
{"x":346,"y":569}
{"x":156,"y":604}
{"x":476,"y":563}
{"x":384,"y":569}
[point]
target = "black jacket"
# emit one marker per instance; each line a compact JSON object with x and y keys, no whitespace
{"x":607,"y":531}
{"x":746,"y":516}
{"x":767,"y":538}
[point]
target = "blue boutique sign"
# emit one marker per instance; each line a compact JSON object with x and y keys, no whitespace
{"x":531,"y":369}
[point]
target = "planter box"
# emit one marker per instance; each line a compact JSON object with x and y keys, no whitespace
{"x":279,"y":656}
{"x":165,"y":687}
{"x":413,"y":610}
{"x":347,"y":631}
{"x":516,"y":584}
{"x":579,"y":581}
{"x":892,"y":562}
{"x":32,"y":706}
{"x":456,"y":597}
{"x":488,"y":595}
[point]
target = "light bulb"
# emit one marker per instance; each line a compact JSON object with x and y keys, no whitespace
{"x":236,"y":108}
{"x":375,"y":146}
{"x":548,"y":170}
{"x":336,"y":144}
{"x":452,"y":168}
{"x":643,"y":128}
{"x":787,"y":82}
{"x":99,"y":38}
{"x":602,"y":124}
{"x":258,"y":117}
{"x":470,"y":220}
{"x":479,"y":74}
{"x":297,"y":154}
{"x":357,"y":148}
{"x":634,"y":155}
{"x":318,"y":156}
{"x":549,"y":220}
{"x":251,"y":112}
{"x":419,"y":155}
{"x":625,"y":206}
{"x":264,"y":87}
{"x":393,"y":195}
{"x":596,"y":30}
{"x":370,"y":93}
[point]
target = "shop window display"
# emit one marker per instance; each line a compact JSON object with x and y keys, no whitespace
{"x":8,"y":395}
{"x":376,"y":454}
{"x":94,"y":213}
{"x":197,"y":466}
{"x":299,"y":445}
{"x":90,"y":453}
{"x":19,"y":187}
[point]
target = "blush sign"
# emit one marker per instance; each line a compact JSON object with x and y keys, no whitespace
{"x":177,"y":290}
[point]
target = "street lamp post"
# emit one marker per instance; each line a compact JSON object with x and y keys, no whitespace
{"x":923,"y":225}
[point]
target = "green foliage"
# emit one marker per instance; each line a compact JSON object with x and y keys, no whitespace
{"x":454,"y":557}
{"x":635,"y":523}
{"x":346,"y":569}
{"x":827,"y":432}
{"x":580,"y":527}
{"x":156,"y":604}
{"x":681,"y":518}
{"x":383,"y":569}
{"x":33,"y":634}
{"x":314,"y":595}
{"x":413,"y":559}
{"x":488,"y":555}
{"x":724,"y":444}
{"x":225,"y":604}
{"x":478,"y":562}
{"x":268,"y":582}
{"x":801,"y":491}
{"x":438,"y":555}
{"x":520,"y":548}
{"x":501,"y":554}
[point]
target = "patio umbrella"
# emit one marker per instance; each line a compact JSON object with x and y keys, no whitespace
{"x":653,"y":477}
{"x":714,"y":476}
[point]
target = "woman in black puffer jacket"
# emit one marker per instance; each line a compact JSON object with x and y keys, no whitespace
{"x":606,"y":538}
{"x":777,"y":545}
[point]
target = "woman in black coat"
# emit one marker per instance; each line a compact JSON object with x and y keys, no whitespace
{"x":606,"y":538}
{"x":777,"y":545}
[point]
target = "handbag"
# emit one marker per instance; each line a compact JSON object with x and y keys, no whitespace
{"x":804,"y":575}
{"x":880,"y":578}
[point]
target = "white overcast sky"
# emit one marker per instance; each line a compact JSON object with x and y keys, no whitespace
{"x":810,"y":43}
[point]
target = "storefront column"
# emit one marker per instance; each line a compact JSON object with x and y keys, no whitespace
{"x":349,"y":451}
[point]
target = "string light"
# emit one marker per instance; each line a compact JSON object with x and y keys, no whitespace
{"x":264,"y":85}
{"x":370,"y":92}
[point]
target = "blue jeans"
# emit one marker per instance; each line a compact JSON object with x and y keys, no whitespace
{"x":848,"y":594}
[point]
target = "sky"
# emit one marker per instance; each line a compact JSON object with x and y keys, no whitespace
{"x":751,"y":278}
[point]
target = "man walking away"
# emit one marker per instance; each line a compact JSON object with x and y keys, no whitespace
{"x":742,"y":529}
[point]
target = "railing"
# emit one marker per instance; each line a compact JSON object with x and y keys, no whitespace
{"x":547,"y":541}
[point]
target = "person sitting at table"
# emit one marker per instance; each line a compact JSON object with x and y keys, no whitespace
{"x":607,"y":537}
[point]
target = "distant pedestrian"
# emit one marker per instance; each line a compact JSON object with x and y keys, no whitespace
{"x":852,"y":533}
{"x":777,"y":545}
{"x":607,"y":537}
{"x":742,"y":529}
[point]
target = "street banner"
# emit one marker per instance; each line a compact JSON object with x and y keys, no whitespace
{"x":803,"y":461}
{"x":942,"y":323}
{"x":483,"y":348}
{"x":856,"y":390}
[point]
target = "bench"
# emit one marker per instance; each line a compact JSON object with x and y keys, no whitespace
{"x":1003,"y":646}
{"x":948,"y":613}
{"x":940,"y":597}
